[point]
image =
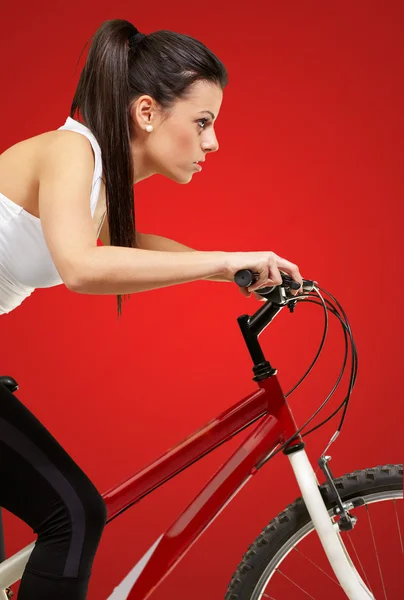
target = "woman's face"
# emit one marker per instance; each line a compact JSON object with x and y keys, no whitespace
{"x":179,"y":138}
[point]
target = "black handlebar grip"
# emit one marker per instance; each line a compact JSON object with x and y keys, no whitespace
{"x":246,"y":277}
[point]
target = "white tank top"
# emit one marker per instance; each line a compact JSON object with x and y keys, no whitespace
{"x":25,"y":261}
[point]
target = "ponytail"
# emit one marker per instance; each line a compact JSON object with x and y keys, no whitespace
{"x":102,"y":100}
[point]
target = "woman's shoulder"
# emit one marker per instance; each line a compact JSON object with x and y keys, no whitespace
{"x":23,"y":164}
{"x":28,"y":153}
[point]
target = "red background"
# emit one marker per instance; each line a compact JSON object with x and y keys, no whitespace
{"x":310,"y":166}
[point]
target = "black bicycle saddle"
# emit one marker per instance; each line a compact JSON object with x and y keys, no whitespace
{"x":9,"y":383}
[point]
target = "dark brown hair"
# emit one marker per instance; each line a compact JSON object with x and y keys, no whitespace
{"x":164,"y":65}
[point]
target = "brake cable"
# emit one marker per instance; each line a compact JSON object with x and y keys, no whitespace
{"x":328,"y":307}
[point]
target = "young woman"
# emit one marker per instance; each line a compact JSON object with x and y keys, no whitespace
{"x":144,"y":104}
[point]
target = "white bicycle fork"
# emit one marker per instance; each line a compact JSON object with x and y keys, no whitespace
{"x":328,"y":532}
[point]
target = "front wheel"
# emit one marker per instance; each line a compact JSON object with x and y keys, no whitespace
{"x":286,"y":562}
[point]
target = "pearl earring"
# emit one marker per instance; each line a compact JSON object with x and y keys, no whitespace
{"x":149,"y":128}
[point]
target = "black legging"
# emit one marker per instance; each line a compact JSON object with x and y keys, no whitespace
{"x":43,"y":486}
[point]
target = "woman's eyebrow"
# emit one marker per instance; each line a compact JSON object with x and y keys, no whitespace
{"x":208,"y":111}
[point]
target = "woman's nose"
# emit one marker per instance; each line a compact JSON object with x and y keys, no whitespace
{"x":211,"y":145}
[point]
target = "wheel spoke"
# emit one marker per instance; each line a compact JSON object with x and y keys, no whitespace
{"x":398,"y":527}
{"x":294,"y":583}
{"x":376,"y":553}
{"x":317,"y":566}
{"x":360,"y":563}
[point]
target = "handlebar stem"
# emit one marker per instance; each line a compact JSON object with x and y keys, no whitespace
{"x":251,"y":327}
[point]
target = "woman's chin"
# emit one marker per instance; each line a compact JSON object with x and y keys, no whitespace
{"x":180,"y":176}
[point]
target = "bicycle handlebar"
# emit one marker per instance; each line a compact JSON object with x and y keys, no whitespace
{"x":277,"y":296}
{"x":246,"y":277}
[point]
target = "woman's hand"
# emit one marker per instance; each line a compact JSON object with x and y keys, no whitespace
{"x":266,"y":265}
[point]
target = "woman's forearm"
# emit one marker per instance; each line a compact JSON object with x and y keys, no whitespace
{"x":150,"y":241}
{"x":120,"y":270}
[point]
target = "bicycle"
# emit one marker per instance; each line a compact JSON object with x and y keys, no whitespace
{"x":329,"y":509}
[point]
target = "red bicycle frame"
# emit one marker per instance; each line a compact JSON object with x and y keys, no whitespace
{"x":267,"y":403}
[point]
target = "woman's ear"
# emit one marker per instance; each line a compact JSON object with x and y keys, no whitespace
{"x":143,"y":111}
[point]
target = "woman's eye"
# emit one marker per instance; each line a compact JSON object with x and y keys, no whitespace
{"x":202,"y":122}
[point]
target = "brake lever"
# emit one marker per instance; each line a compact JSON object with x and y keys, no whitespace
{"x":278,"y":294}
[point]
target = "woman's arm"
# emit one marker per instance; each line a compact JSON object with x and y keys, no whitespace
{"x":150,"y":241}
